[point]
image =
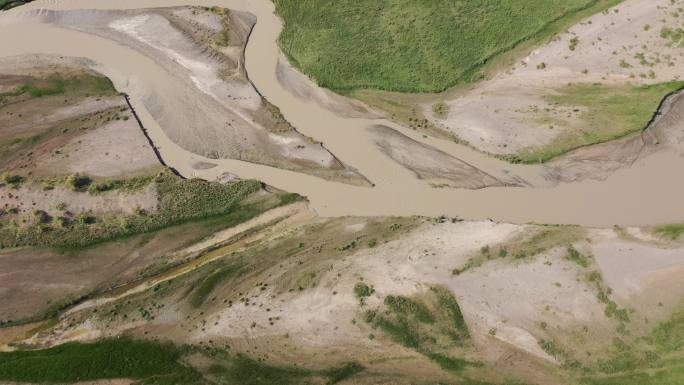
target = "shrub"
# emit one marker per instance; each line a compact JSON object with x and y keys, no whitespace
{"x":576,"y":257}
{"x":361,"y":290}
{"x":12,"y":179}
{"x":440,"y":109}
{"x":41,"y":216}
{"x":78,"y":182}
{"x":85,"y":219}
{"x":95,"y":188}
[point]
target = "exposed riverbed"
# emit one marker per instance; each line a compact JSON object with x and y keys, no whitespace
{"x":649,"y":192}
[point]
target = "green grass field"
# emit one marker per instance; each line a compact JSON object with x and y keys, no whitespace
{"x":149,"y":362}
{"x":412,"y":46}
{"x":606,"y":113}
{"x":152,"y":363}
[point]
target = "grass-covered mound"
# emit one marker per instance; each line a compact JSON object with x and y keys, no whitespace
{"x":412,"y":46}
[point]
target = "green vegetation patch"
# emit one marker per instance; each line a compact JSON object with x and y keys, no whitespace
{"x":115,"y":358}
{"x":565,"y":358}
{"x":668,"y":336}
{"x":606,"y":113}
{"x":58,"y":84}
{"x":150,"y":362}
{"x":672,"y":231}
{"x":7,"y":4}
{"x":576,"y":257}
{"x":208,"y":284}
{"x":242,"y":370}
{"x":321,"y":244}
{"x":537,"y":240}
{"x":362,"y":291}
{"x":431,"y":324}
{"x":656,"y":358}
{"x":411,"y":46}
{"x":246,"y":371}
{"x":456,"y":326}
{"x":669,"y":376}
{"x":405,"y":306}
{"x":181,"y":200}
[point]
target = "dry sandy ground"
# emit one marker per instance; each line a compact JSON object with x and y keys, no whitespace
{"x":496,"y":115}
{"x":509,"y":305}
{"x":222,"y":114}
{"x":501,"y":115}
{"x":641,"y":275}
{"x":348,"y":138}
{"x":115,"y":150}
{"x":85,"y":144}
{"x":44,"y":112}
{"x":31,"y":197}
{"x":601,"y":160}
{"x":429,"y":163}
{"x":72,"y":139}
{"x":301,"y":86}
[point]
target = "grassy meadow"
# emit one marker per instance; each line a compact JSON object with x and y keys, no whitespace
{"x":149,"y":362}
{"x":412,"y":46}
{"x":606,"y":113}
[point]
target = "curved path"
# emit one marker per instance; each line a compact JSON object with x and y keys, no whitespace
{"x":647,"y":193}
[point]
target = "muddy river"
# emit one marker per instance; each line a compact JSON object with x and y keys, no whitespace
{"x":649,"y":192}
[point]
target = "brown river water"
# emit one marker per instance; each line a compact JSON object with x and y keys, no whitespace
{"x":649,"y":192}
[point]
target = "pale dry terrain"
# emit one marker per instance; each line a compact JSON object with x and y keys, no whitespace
{"x":303,"y":306}
{"x":501,"y":115}
{"x":227,"y":117}
{"x":412,"y":299}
